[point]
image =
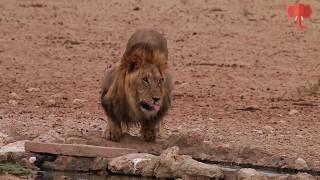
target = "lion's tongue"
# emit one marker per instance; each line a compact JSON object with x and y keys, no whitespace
{"x":156,"y":107}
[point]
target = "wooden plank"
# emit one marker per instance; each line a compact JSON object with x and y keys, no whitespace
{"x":77,"y":150}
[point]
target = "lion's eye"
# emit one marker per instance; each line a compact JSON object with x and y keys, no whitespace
{"x":145,"y":80}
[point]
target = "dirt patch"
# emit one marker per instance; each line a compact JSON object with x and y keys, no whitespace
{"x":236,"y":65}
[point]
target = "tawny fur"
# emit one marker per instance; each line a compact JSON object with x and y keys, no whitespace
{"x":141,"y":76}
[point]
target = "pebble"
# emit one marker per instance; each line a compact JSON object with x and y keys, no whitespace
{"x":299,"y":136}
{"x":282,"y":122}
{"x":300,"y":164}
{"x":268,"y":128}
{"x":33,"y":89}
{"x":293,"y":112}
{"x":258,"y":132}
{"x":245,"y":173}
{"x":13,"y":102}
{"x":51,"y":103}
{"x":78,"y":101}
{"x":14,"y":95}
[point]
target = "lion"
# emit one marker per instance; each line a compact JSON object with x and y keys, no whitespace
{"x":137,"y":91}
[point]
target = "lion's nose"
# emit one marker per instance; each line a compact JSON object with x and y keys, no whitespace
{"x":156,"y":99}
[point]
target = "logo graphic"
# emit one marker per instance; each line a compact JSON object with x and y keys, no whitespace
{"x":299,"y":12}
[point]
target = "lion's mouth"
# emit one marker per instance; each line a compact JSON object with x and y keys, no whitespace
{"x":149,"y":107}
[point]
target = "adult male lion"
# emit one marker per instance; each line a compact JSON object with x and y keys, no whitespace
{"x":138,"y":90}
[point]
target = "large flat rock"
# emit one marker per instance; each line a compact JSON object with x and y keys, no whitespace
{"x":77,"y":150}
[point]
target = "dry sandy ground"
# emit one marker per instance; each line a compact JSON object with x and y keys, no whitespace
{"x":225,"y":56}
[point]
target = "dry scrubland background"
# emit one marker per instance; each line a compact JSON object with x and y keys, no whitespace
{"x":225,"y":55}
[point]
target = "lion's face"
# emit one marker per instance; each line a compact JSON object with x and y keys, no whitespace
{"x":147,"y":83}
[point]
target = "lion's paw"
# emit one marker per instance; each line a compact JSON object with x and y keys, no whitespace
{"x":113,"y":134}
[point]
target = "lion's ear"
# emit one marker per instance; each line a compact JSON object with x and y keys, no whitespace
{"x":134,"y":60}
{"x":133,"y":63}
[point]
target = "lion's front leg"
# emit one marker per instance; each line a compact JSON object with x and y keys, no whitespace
{"x":113,"y":131}
{"x":149,"y":131}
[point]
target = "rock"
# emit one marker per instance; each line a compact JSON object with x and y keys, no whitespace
{"x":168,"y":163}
{"x":14,"y":95}
{"x":13,"y":102}
{"x":51,"y":136}
{"x":283,"y":122}
{"x":33,"y":89}
{"x":78,"y":101}
{"x":71,"y":163}
{"x":178,"y":93}
{"x":131,"y":164}
{"x":293,"y":112}
{"x":148,"y":170}
{"x":300,"y":164}
{"x":303,"y":176}
{"x":249,"y":153}
{"x":79,"y":150}
{"x":51,"y":103}
{"x":59,"y":96}
{"x":4,"y":138}
{"x":268,"y":128}
{"x":172,"y":164}
{"x":246,"y":173}
{"x":17,"y":146}
{"x":197,"y":169}
{"x":259,"y":132}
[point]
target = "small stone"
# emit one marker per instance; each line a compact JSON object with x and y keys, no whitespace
{"x":5,"y":139}
{"x":282,"y":122}
{"x":300,"y":164}
{"x":246,"y":173}
{"x":258,"y":131}
{"x":303,"y":176}
{"x":32,"y":159}
{"x":14,"y":95}
{"x":178,"y":94}
{"x":17,"y":146}
{"x":268,"y":128}
{"x":51,"y":103}
{"x":203,"y":156}
{"x":293,"y":112}
{"x":13,"y":102}
{"x":75,"y":140}
{"x":51,"y":136}
{"x":78,"y":101}
{"x":33,"y":89}
{"x":130,"y":164}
